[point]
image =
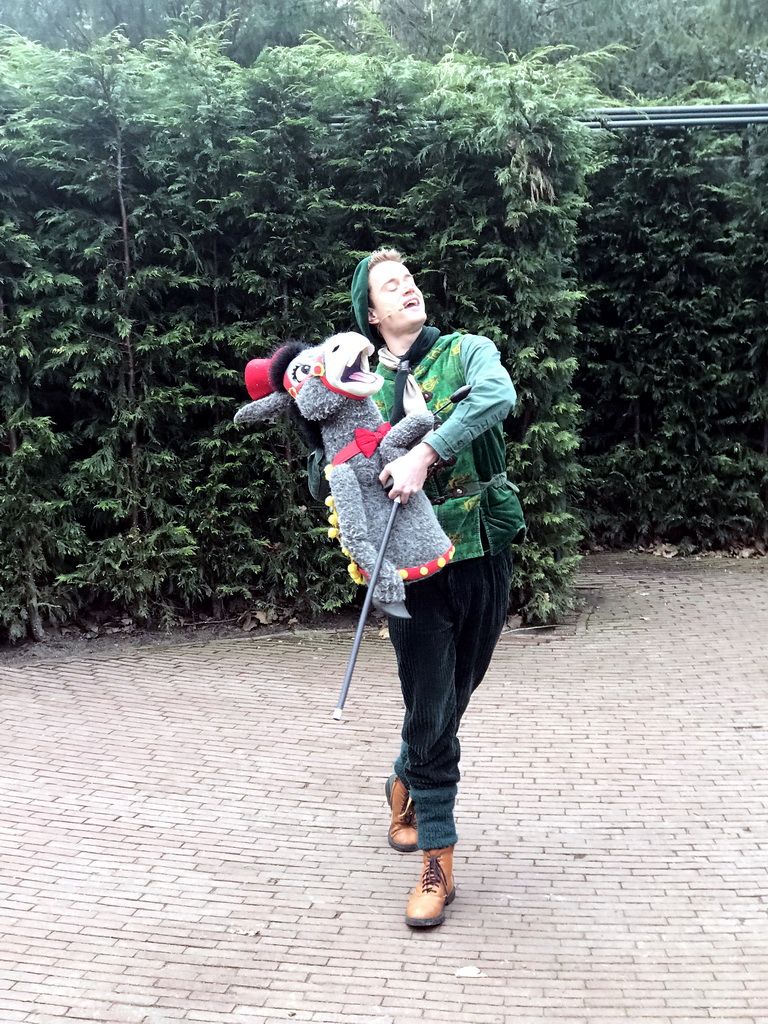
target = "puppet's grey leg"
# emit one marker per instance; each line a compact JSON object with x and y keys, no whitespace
{"x":353,"y":521}
{"x":389,"y":590}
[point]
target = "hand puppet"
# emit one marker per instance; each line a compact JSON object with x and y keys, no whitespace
{"x":330,"y":387}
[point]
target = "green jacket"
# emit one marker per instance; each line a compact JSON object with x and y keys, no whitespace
{"x":475,"y":503}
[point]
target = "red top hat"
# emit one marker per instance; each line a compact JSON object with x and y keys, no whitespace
{"x":257,"y":378}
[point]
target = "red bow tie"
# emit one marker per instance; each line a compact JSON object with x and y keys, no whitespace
{"x":369,"y":440}
{"x":366,"y":442}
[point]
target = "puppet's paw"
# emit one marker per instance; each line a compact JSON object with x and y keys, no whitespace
{"x":265,"y":410}
{"x":392,"y":609}
{"x":248,"y":416}
{"x":389,"y":595}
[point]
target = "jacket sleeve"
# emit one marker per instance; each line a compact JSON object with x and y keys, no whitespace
{"x":489,"y":402}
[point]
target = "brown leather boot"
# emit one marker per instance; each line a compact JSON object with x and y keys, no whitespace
{"x":402,"y":834}
{"x":434,"y":892}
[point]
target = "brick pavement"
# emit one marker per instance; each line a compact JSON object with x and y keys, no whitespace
{"x":186,"y":835}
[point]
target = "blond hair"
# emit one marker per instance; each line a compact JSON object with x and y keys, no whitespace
{"x":383,"y":255}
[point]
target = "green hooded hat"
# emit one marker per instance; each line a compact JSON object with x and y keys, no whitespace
{"x":360,"y":301}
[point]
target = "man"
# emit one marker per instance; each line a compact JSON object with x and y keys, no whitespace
{"x":444,"y":649}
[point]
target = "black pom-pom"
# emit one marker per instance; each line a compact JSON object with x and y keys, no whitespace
{"x":281,"y":360}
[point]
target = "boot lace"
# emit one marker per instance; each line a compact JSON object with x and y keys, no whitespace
{"x":407,"y":816}
{"x":433,"y":876}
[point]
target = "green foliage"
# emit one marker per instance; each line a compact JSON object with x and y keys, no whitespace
{"x":664,"y":45}
{"x":246,"y":27}
{"x":674,"y":361}
{"x":660,"y":46}
{"x":170,"y":214}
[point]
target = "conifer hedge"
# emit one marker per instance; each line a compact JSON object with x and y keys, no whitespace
{"x":168,"y":215}
{"x":673,"y":354}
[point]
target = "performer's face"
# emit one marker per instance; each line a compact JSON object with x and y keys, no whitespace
{"x":396,"y":304}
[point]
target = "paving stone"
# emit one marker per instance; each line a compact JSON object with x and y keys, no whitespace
{"x":187,"y":835}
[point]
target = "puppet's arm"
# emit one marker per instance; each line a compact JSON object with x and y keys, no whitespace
{"x":406,"y":433}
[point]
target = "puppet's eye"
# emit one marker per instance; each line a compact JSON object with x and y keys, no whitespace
{"x":299,"y":372}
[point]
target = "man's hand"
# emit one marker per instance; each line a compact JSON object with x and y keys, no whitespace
{"x":409,"y":472}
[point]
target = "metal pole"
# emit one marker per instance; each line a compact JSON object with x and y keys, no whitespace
{"x":704,"y":108}
{"x":680,"y":122}
{"x":364,"y":612}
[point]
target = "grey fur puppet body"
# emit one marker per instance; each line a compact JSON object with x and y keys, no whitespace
{"x":331,"y":387}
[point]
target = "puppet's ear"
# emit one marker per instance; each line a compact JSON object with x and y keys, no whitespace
{"x":265,"y":410}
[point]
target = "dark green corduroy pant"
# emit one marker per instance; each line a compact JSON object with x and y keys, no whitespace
{"x":443,"y":651}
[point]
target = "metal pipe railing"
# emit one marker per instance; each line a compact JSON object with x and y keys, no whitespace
{"x":707,"y":108}
{"x":678,"y":122}
{"x":735,"y":115}
{"x":701,"y":115}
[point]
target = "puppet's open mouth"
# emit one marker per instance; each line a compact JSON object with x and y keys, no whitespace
{"x":357,"y":371}
{"x":346,"y":366}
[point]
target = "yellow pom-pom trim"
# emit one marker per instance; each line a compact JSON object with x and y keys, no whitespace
{"x":354,"y":571}
{"x":329,"y":501}
{"x":424,"y":570}
{"x":442,"y":563}
{"x":403,"y":573}
{"x":328,"y":471}
{"x":353,"y":568}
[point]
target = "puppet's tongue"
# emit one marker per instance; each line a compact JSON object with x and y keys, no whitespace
{"x":356,"y":372}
